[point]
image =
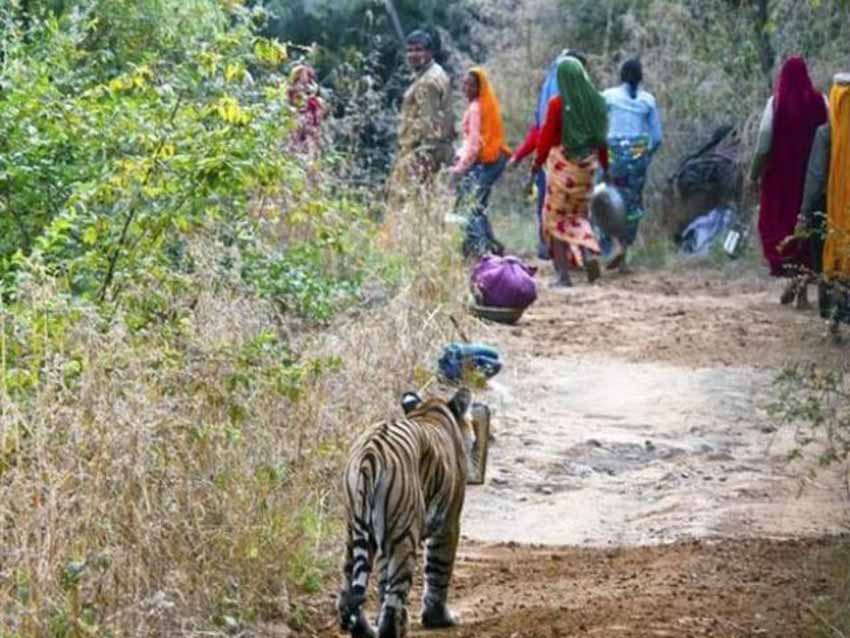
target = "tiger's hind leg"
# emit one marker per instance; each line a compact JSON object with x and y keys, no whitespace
{"x":355,"y":577}
{"x":396,"y":566}
{"x":440,"y":553}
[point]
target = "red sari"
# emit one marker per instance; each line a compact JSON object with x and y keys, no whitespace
{"x":798,"y":110}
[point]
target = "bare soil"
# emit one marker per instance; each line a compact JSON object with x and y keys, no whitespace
{"x":636,"y":484}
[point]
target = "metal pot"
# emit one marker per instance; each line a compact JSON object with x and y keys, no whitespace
{"x":608,"y":210}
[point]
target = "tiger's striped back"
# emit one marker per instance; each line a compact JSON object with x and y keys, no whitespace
{"x":404,"y":483}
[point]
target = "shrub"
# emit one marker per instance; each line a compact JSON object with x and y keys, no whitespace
{"x":179,"y":379}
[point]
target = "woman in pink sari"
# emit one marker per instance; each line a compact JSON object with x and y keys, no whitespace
{"x":787,"y":130}
{"x":303,"y":96}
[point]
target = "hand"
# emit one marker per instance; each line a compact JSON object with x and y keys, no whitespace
{"x":800,"y":232}
{"x":455,"y":176}
{"x":529,"y":186}
{"x":511,"y":164}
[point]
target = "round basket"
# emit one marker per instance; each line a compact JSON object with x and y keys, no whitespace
{"x":500,"y":315}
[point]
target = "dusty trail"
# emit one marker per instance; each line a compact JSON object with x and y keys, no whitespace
{"x":636,"y":486}
{"x":634,"y":412}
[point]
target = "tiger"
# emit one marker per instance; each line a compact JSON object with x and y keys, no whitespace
{"x":404,"y":484}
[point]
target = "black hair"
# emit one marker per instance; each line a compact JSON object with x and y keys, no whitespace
{"x":422,"y":38}
{"x":632,"y":74}
{"x":578,"y":55}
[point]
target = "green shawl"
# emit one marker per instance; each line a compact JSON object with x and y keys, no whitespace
{"x":585,"y":117}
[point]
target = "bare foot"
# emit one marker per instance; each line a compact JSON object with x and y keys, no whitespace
{"x":789,"y":293}
{"x":617,"y":262}
{"x":593,"y":270}
{"x":561,"y":282}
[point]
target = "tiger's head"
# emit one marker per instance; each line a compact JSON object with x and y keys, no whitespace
{"x":458,"y":404}
{"x":474,"y":422}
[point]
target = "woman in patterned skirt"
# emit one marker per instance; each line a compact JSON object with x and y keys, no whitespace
{"x":571,"y":144}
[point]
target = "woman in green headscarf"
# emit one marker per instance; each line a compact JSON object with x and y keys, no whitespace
{"x":572,"y":143}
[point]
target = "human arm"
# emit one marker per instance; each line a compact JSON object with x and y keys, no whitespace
{"x":550,"y":133}
{"x":602,"y":156}
{"x":654,"y":122}
{"x":817,"y":175}
{"x":764,"y":141}
{"x":528,"y":146}
{"x":472,"y":139}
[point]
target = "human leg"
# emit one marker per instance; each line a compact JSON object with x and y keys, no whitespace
{"x":488,"y":175}
{"x":591,"y":265}
{"x":561,"y":261}
{"x":542,"y":246}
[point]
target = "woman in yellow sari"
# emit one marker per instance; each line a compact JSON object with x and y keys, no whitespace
{"x":572,"y":143}
{"x":836,"y":251}
{"x":827,"y":189}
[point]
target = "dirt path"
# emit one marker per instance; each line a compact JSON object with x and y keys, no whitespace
{"x":635,"y":412}
{"x":636,"y":485}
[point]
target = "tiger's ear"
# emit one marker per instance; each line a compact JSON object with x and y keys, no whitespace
{"x":459,"y":403}
{"x":410,"y":401}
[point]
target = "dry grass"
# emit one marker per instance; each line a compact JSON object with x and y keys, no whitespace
{"x":172,"y":484}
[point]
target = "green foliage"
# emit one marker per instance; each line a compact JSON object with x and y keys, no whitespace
{"x":337,"y":25}
{"x":816,"y":401}
{"x":602,"y":25}
{"x":332,"y":33}
{"x":105,"y":178}
{"x":296,"y":279}
{"x":160,"y":247}
{"x":117,"y":169}
{"x":168,"y":400}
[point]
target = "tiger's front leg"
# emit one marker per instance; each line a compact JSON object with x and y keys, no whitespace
{"x":440,"y":551}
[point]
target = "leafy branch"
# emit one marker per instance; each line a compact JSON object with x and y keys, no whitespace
{"x":133,"y":207}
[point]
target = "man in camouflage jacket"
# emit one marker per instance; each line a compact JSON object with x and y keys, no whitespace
{"x":426,"y":130}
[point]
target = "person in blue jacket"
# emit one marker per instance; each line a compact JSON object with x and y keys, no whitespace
{"x":634,"y":135}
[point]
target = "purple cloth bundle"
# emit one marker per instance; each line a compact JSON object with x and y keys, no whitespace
{"x":504,"y":282}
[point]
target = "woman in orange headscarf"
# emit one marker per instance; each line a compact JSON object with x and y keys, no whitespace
{"x":481,"y":159}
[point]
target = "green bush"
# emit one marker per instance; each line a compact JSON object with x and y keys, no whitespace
{"x":165,"y":260}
